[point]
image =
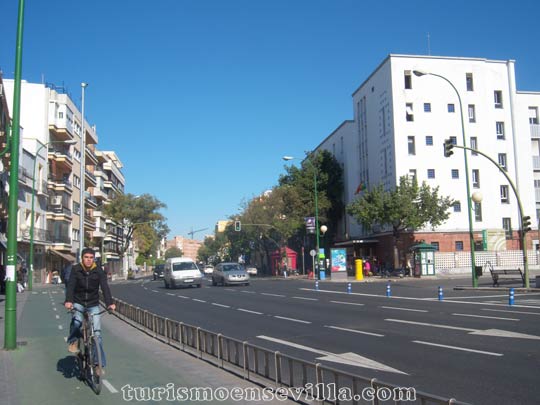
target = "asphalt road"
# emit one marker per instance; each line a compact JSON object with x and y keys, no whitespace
{"x":471,"y":346}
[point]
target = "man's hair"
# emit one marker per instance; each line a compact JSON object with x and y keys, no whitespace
{"x":86,"y":251}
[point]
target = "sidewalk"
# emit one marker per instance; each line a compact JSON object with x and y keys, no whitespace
{"x":42,"y":371}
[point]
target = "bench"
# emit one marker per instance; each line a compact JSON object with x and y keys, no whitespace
{"x":512,"y":273}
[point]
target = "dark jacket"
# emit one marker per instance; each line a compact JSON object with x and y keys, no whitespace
{"x":83,"y":286}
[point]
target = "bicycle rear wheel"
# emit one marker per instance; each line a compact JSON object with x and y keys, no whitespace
{"x":96,"y":369}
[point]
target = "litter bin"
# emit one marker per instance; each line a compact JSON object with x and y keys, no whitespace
{"x":478,"y":271}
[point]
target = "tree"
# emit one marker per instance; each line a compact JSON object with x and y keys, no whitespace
{"x":130,"y":212}
{"x":173,"y":252}
{"x":405,"y":208}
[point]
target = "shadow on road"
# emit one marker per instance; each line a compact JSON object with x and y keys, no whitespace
{"x":68,"y":367}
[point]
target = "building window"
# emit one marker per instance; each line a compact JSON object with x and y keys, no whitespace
{"x":75,"y":234}
{"x":427,"y":107}
{"x":435,"y":245}
{"x":533,"y":115}
{"x":499,"y":127}
{"x":497,"y":94}
{"x":469,"y":81}
{"x":76,"y":207}
{"x":61,"y":115}
{"x":474,"y":145}
{"x":457,"y":206}
{"x":431,"y":173}
{"x":476,"y":178}
{"x":429,"y":140}
{"x":507,"y":226}
{"x":502,"y":161}
{"x":478,"y":211}
{"x":412,"y":174}
{"x":408,"y":79}
{"x":472,"y":113}
{"x":409,"y":116}
{"x":455,"y":173}
{"x":76,"y":181}
{"x":411,"y":145}
{"x":504,"y":195}
{"x":459,"y":245}
{"x":451,"y":108}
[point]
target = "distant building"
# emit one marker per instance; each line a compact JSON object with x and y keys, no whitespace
{"x":189,"y":247}
{"x":221,"y":225}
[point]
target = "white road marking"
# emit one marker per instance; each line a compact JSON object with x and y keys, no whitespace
{"x":354,"y":331}
{"x":464,"y":349}
{"x":154,"y":290}
{"x":251,"y":312}
{"x":54,"y":309}
{"x":195,"y":299}
{"x":65,"y":338}
{"x":220,"y":305}
{"x":248,"y":292}
{"x":183,"y":296}
{"x":273,"y":295}
{"x":346,"y":303}
{"x":109,"y":386}
{"x":488,"y":296}
{"x":307,"y":299}
{"x":290,"y":319}
{"x":57,"y":316}
{"x":511,"y":312}
{"x":406,"y":309}
{"x":487,"y":317}
{"x":44,"y":292}
{"x":352,"y":359}
{"x":60,"y":327}
{"x":171,"y":294}
{"x":432,"y":324}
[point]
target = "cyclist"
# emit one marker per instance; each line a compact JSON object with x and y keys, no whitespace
{"x":83,"y":295}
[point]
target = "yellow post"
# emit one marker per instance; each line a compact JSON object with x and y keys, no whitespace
{"x":359,"y":266}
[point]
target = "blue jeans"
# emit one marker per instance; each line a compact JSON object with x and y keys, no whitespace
{"x":76,"y":323}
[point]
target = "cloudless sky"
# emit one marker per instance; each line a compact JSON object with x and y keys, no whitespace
{"x":200,"y":99}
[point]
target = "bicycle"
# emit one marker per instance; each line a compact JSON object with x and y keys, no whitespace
{"x":89,"y":356}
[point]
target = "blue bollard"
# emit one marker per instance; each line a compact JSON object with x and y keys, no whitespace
{"x":388,"y":290}
{"x":317,"y":285}
{"x":440,"y":294}
{"x":511,"y":297}
{"x":348,"y":288}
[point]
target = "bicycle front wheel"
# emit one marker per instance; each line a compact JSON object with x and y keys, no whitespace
{"x":96,"y":365}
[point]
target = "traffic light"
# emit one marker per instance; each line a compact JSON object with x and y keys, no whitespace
{"x":448,"y":146}
{"x":237,"y":226}
{"x":526,"y":223}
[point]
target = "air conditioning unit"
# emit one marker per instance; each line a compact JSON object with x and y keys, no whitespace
{"x":56,"y":200}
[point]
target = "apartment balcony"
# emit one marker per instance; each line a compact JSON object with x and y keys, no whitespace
{"x":62,"y":158}
{"x":90,"y":178}
{"x":61,"y":130}
{"x":100,"y":232}
{"x":99,"y":193}
{"x":91,"y":201}
{"x":60,"y":185}
{"x":60,"y":242}
{"x":43,"y":189}
{"x":536,"y":162}
{"x":90,"y":156}
{"x":25,"y":177}
{"x":535,"y":131}
{"x":98,"y":213}
{"x":58,"y":213}
{"x":537,"y":194}
{"x":41,"y":236}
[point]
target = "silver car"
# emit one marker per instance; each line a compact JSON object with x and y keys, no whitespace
{"x":229,"y":273}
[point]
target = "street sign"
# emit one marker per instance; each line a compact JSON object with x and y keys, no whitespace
{"x":312,"y":252}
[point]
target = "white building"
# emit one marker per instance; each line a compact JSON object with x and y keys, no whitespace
{"x":401,"y":121}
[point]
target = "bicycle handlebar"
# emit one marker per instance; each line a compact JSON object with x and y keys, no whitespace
{"x":73,"y":309}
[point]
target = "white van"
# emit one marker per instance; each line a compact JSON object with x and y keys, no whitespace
{"x":181,"y":271}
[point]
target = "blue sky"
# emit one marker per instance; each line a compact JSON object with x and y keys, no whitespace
{"x":201,"y":98}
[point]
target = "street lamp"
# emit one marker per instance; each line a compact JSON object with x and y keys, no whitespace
{"x":287,"y":158}
{"x":32,"y":214}
{"x":82,"y":173}
{"x":420,"y":73}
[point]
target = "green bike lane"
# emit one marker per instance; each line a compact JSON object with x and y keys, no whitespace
{"x":44,"y":371}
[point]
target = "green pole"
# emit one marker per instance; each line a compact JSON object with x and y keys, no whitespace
{"x":10,"y":330}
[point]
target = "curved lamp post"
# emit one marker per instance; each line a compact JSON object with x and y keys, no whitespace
{"x":420,"y":73}
{"x":32,"y":214}
{"x":287,"y":158}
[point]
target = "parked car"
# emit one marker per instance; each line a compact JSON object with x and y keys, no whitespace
{"x":208,"y":269}
{"x":229,"y":273}
{"x":180,"y":271}
{"x":158,"y":271}
{"x":251,"y":270}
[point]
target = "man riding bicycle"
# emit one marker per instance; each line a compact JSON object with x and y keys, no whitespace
{"x":82,"y":294}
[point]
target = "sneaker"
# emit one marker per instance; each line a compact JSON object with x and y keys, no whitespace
{"x":73,"y":347}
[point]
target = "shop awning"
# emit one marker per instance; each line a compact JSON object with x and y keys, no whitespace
{"x":356,"y":242}
{"x":65,"y":256}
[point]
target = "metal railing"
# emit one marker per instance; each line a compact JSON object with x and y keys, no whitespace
{"x":263,"y":366}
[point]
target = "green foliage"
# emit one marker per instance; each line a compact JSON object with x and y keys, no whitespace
{"x":139,"y":261}
{"x":141,"y":214}
{"x":173,"y":252}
